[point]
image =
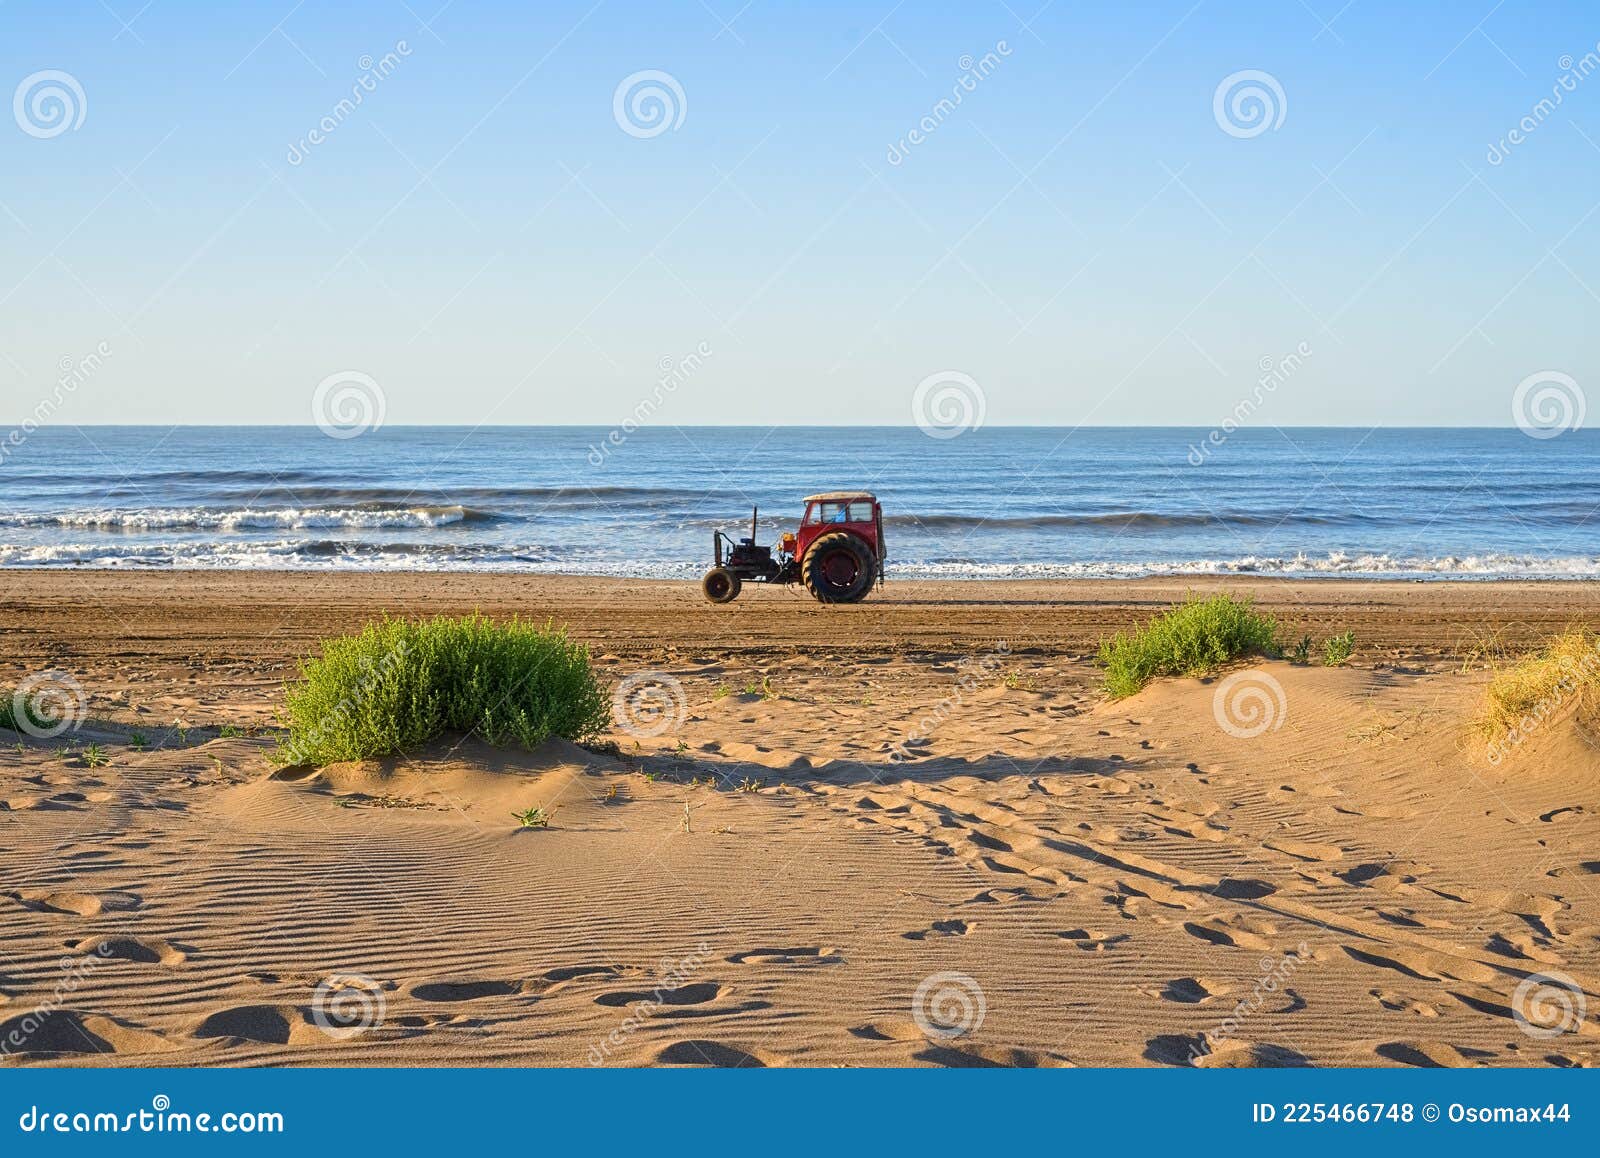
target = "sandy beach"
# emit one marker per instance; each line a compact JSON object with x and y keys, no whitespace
{"x":858,"y":813}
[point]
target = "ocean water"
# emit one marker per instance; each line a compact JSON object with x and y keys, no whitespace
{"x":1006,"y":502}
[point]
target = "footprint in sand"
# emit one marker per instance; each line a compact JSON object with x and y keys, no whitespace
{"x":1192,"y":990}
{"x":1185,"y":1049}
{"x":1009,"y":896}
{"x":888,"y":1031}
{"x":696,"y":993}
{"x":468,"y":990}
{"x":1243,"y":889}
{"x":1092,"y":940}
{"x":76,"y":904}
{"x":988,"y":1057}
{"x":1400,"y":1003}
{"x":1305,"y":849}
{"x":136,"y":949}
{"x":71,"y":1031}
{"x":950,"y":928}
{"x":261,"y":1024}
{"x":1428,"y":1054}
{"x":809,"y":955}
{"x":716,"y":1054}
{"x":1237,"y":932}
{"x":555,"y":980}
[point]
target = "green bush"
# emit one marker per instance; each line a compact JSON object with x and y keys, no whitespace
{"x":1338,"y":649}
{"x":400,"y":683}
{"x":21,"y":712}
{"x":1193,"y":638}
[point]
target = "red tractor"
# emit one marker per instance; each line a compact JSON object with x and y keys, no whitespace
{"x":837,"y":553}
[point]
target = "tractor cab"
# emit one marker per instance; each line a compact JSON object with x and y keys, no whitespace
{"x":855,"y":512}
{"x":837,"y":552}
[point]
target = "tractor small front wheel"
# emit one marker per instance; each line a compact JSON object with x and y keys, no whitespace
{"x":720,"y":585}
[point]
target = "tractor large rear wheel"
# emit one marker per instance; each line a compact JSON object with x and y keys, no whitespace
{"x":838,"y":568}
{"x":720,"y":585}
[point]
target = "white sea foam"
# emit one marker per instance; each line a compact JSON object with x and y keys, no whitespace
{"x":297,"y":554}
{"x":248,"y":518}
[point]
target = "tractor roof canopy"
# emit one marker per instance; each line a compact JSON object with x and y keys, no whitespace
{"x":842,"y":497}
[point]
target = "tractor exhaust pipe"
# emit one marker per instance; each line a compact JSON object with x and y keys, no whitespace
{"x":753,"y":511}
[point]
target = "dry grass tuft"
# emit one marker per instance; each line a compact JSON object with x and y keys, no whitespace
{"x":1522,"y":695}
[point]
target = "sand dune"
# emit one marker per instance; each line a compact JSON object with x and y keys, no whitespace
{"x":798,"y":875}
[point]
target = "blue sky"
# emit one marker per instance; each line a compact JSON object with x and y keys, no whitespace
{"x":1081,"y":237}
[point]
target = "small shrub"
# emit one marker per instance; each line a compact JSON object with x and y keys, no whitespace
{"x":1193,"y":638}
{"x":1301,"y":652}
{"x":1338,"y":649}
{"x":532,"y":818}
{"x":1536,"y":685}
{"x":400,"y":683}
{"x":94,"y":756}
{"x":21,"y":713}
